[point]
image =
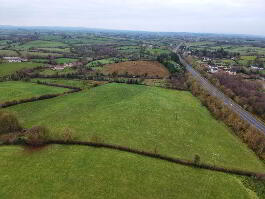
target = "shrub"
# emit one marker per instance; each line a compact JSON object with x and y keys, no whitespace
{"x":8,"y":123}
{"x":197,"y":159}
{"x":68,"y":135}
{"x":37,"y":135}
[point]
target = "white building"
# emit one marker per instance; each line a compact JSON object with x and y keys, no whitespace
{"x":14,"y":59}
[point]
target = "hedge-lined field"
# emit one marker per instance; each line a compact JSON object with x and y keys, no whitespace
{"x":42,"y":44}
{"x":172,"y":122}
{"x":153,"y":119}
{"x":73,"y":82}
{"x":16,"y":90}
{"x":85,"y":172}
{"x":65,"y":60}
{"x":9,"y":68}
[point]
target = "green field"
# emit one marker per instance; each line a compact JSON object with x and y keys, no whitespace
{"x":201,"y":44}
{"x":228,"y":61}
{"x":9,"y":68}
{"x":248,"y":58}
{"x":74,"y":82}
{"x":84,"y":172}
{"x":42,"y":44}
{"x":65,"y":60}
{"x":158,"y":51}
{"x":172,"y":122}
{"x":56,"y":50}
{"x":143,"y":117}
{"x":53,"y":72}
{"x":3,"y":42}
{"x":8,"y":53}
{"x":15,"y":90}
{"x":40,"y":54}
{"x":101,"y":62}
{"x":40,"y":60}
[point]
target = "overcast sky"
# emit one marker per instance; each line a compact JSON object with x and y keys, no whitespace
{"x":212,"y":16}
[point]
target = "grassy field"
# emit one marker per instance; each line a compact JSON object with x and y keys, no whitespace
{"x":142,"y":117}
{"x":56,"y":50}
{"x":158,"y":51}
{"x":172,"y":122}
{"x":65,"y":60}
{"x":40,"y":60}
{"x":248,"y":58}
{"x":8,"y":53}
{"x":137,"y":68}
{"x":42,"y":44}
{"x":201,"y":44}
{"x":228,"y":61}
{"x":15,"y":90}
{"x":53,"y":72}
{"x":101,"y":62}
{"x":9,"y":68}
{"x":40,"y":54}
{"x":83,"y":172}
{"x":74,"y":82}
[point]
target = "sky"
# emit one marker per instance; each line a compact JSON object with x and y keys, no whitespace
{"x":204,"y":16}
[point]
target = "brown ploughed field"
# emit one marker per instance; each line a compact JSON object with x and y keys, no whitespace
{"x":148,"y":68}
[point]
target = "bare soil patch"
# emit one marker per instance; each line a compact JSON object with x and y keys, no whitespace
{"x":138,"y":68}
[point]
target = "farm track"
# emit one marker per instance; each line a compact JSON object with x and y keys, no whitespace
{"x":189,"y":163}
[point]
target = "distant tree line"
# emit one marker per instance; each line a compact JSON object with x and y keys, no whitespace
{"x":219,"y":53}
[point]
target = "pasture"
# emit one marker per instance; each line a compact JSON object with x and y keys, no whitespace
{"x":145,"y":118}
{"x":9,"y":68}
{"x":15,"y":90}
{"x":54,"y":72}
{"x":73,"y":82}
{"x":42,"y":44}
{"x":8,"y":53}
{"x":171,"y":122}
{"x":65,"y":60}
{"x":158,"y":51}
{"x":82,"y":172}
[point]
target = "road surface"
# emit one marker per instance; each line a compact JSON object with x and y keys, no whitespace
{"x":252,"y":120}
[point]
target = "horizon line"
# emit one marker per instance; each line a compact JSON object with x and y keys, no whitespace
{"x":129,"y":30}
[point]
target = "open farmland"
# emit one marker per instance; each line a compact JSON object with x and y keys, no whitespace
{"x":85,"y":129}
{"x":151,"y":69}
{"x":54,"y":72}
{"x":65,"y":60}
{"x":8,"y":53}
{"x":158,"y":51}
{"x":56,"y":50}
{"x":82,"y":172}
{"x":142,"y":117}
{"x":73,"y":82}
{"x":172,"y":122}
{"x":9,"y":68}
{"x":39,"y":54}
{"x":42,"y":44}
{"x":15,"y":90}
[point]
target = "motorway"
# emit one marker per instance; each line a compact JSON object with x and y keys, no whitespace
{"x":251,"y":119}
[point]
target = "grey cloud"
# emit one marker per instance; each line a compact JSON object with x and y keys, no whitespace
{"x":226,"y":16}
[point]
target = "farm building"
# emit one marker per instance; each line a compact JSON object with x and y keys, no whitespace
{"x":14,"y":59}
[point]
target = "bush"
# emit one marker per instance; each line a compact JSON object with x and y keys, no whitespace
{"x":68,"y":135}
{"x":37,"y":135}
{"x":8,"y":123}
{"x":197,"y":159}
